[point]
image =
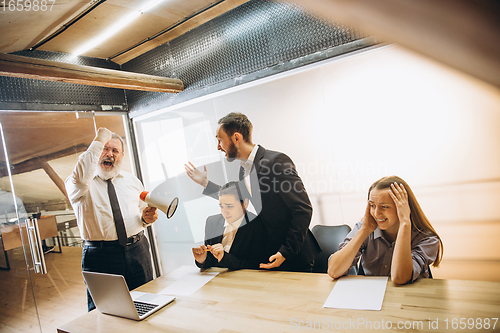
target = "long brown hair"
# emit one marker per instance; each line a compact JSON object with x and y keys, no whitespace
{"x":417,"y":216}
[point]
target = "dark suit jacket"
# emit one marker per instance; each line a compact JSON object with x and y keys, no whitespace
{"x":283,"y":207}
{"x":247,"y":250}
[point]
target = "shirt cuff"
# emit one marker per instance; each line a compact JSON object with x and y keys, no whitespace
{"x":144,"y":223}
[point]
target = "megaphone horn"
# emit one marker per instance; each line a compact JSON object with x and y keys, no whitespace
{"x":157,"y":201}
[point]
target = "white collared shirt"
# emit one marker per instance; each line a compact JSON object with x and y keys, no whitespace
{"x":230,"y":230}
{"x":88,"y":195}
{"x":247,"y":167}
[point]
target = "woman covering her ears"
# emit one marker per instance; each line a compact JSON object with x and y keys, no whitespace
{"x":394,"y":239}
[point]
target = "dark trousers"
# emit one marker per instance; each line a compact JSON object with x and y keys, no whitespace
{"x":132,"y":261}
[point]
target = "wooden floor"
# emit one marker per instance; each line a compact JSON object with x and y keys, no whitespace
{"x":60,"y":295}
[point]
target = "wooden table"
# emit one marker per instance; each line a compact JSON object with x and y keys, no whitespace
{"x":262,"y":301}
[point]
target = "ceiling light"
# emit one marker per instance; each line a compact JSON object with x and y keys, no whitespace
{"x":115,"y":28}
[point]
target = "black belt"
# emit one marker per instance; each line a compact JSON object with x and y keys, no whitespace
{"x":131,"y":240}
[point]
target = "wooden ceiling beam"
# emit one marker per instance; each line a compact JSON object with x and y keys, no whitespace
{"x":31,"y":68}
{"x":55,"y":178}
{"x":51,"y":205}
{"x":37,"y":162}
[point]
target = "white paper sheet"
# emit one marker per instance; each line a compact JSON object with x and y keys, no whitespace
{"x":358,"y":293}
{"x":187,"y":280}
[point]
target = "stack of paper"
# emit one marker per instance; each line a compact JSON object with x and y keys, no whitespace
{"x":358,"y":293}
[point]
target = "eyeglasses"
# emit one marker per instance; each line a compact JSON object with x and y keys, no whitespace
{"x":113,"y":150}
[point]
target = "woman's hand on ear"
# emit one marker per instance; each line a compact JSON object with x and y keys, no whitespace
{"x":400,"y":197}
{"x":369,"y":222}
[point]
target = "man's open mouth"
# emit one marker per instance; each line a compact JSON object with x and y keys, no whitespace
{"x":107,"y":164}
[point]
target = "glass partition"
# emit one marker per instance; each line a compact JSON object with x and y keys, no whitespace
{"x":346,"y":122}
{"x":18,"y":311}
{"x":166,"y":142}
{"x":43,"y":148}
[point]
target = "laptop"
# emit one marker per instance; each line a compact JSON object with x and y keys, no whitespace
{"x":111,"y":296}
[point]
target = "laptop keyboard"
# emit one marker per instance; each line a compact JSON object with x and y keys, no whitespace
{"x":143,"y":308}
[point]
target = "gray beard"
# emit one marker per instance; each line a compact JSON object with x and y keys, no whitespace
{"x":105,"y":175}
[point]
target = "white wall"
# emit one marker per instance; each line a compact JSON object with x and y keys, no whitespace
{"x":346,"y":122}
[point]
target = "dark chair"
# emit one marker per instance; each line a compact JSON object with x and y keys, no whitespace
{"x":329,"y":238}
{"x":361,"y":271}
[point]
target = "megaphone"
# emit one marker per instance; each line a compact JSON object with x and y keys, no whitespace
{"x":160,"y":202}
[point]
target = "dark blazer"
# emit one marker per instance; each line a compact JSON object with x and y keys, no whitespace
{"x":247,"y":250}
{"x":284,"y":208}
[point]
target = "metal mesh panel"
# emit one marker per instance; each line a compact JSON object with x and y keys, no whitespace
{"x":38,"y":92}
{"x":258,"y":36}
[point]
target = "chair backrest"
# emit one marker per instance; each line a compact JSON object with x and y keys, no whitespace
{"x":329,"y":238}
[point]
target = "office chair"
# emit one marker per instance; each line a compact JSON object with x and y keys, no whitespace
{"x":329,"y":238}
{"x":361,"y":271}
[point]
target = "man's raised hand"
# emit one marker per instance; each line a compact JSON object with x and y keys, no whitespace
{"x":199,"y":177}
{"x":103,"y":135}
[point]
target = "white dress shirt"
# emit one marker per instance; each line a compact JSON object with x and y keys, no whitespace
{"x":247,"y":167}
{"x":230,"y":230}
{"x":88,"y":195}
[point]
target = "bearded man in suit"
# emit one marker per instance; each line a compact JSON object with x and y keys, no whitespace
{"x":275,"y":190}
